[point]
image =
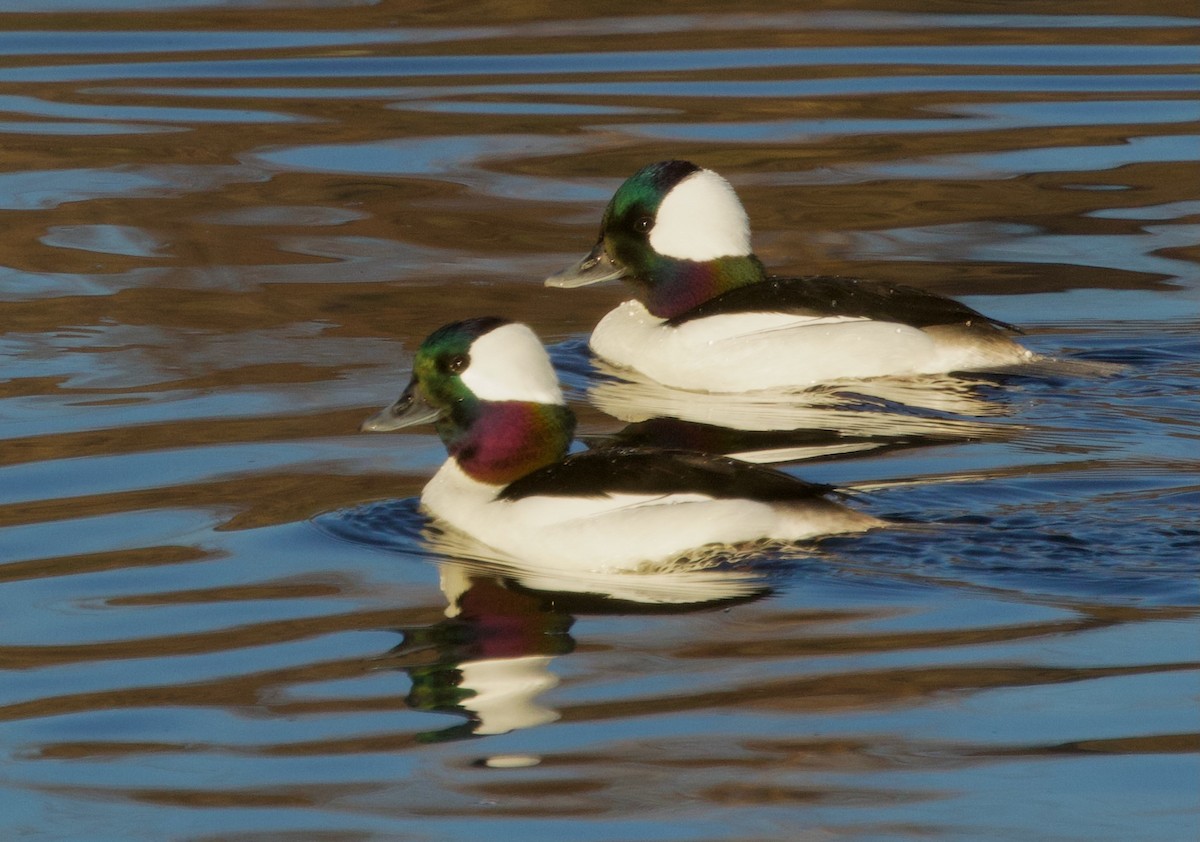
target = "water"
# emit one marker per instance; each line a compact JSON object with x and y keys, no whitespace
{"x":227,"y":226}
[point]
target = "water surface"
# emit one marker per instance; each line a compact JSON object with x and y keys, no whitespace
{"x":228,"y":225}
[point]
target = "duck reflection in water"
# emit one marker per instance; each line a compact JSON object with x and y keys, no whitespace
{"x":491,"y":655}
{"x":490,"y":659}
{"x":780,"y":425}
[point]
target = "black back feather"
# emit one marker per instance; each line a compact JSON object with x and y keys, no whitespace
{"x":630,"y":470}
{"x":837,"y":296}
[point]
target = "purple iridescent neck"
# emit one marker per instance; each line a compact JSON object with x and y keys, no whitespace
{"x":497,"y":442}
{"x":674,"y":286}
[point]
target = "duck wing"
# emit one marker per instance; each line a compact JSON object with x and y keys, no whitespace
{"x":654,"y":472}
{"x":826,"y":295}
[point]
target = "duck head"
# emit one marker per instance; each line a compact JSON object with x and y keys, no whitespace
{"x":677,"y":233}
{"x":488,"y":388}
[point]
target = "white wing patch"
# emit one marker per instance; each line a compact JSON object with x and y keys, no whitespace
{"x":510,"y":364}
{"x":734,"y":326}
{"x":547,"y":510}
{"x":701,"y":219}
{"x":782,"y":324}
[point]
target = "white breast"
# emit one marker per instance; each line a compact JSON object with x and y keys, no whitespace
{"x":752,"y":351}
{"x":624,"y":531}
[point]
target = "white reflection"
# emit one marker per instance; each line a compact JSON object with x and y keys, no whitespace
{"x":501,"y":692}
{"x":491,"y":658}
{"x":837,"y":418}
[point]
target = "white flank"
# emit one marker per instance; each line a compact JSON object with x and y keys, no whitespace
{"x":701,"y":219}
{"x":622,"y":531}
{"x":743,"y":352}
{"x":510,"y":364}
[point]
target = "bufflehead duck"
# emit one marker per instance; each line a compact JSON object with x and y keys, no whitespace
{"x":489,"y":389}
{"x":708,"y":317}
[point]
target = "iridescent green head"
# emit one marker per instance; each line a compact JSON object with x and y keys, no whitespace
{"x":678,"y":233}
{"x":493,"y":397}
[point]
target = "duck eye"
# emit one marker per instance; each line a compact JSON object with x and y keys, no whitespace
{"x":643,"y":224}
{"x":457,"y":364}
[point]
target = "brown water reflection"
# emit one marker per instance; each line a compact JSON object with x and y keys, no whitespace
{"x":227,"y":227}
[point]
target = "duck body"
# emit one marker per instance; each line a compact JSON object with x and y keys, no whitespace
{"x":755,"y":338}
{"x":623,"y":507}
{"x":510,"y":484}
{"x":707,"y":316}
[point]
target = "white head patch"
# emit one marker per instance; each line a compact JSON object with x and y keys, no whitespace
{"x":700,"y":219}
{"x":510,"y":364}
